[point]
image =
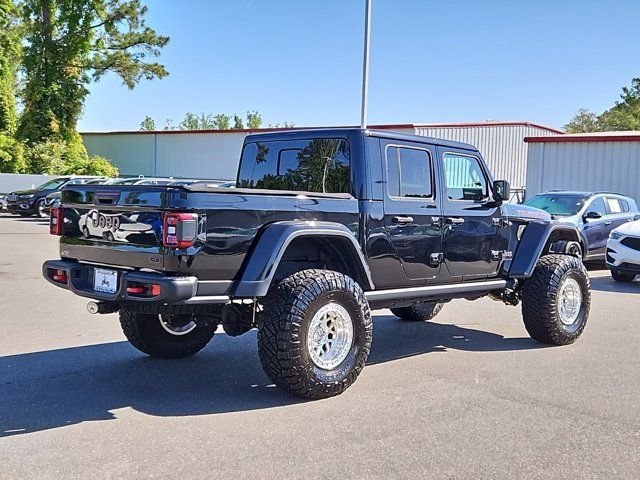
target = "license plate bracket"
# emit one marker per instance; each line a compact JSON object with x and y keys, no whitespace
{"x":105,"y":281}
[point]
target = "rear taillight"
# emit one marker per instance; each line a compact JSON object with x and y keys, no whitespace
{"x":60,"y":276}
{"x":179,"y":230}
{"x":56,"y":224}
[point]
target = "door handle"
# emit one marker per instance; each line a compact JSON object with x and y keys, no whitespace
{"x":607,"y":224}
{"x":455,"y":220}
{"x":401,"y":219}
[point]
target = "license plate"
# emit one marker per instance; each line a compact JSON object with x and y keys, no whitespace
{"x":105,"y":280}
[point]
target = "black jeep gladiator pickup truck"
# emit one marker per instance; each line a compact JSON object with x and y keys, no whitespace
{"x":324,"y":226}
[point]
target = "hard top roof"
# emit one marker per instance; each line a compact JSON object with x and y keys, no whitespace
{"x":349,"y":131}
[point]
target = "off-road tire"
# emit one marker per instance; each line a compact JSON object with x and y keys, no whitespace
{"x":540,"y":300}
{"x":418,"y":312}
{"x":282,"y":334}
{"x":622,"y":277}
{"x":146,"y":334}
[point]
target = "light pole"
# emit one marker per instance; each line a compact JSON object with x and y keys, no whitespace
{"x":365,"y":65}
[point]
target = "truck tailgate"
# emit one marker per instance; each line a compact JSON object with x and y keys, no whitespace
{"x":115,"y":225}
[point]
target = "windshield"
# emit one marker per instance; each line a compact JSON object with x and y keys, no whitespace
{"x":561,"y":205}
{"x":51,"y":184}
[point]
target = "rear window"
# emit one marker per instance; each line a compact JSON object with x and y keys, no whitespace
{"x":316,"y":165}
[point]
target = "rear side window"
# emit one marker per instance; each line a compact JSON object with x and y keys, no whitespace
{"x":316,"y":165}
{"x":465,"y":179}
{"x":616,"y":205}
{"x":409,"y":172}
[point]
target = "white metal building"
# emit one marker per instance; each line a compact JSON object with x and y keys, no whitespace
{"x":215,"y":153}
{"x":606,"y":161}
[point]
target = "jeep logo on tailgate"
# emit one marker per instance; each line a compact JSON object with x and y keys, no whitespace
{"x":100,"y":220}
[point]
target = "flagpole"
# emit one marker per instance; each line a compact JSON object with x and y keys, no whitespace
{"x":365,"y":66}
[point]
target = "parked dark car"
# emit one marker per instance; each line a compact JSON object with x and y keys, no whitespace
{"x":53,"y":199}
{"x":594,"y":214}
{"x":322,"y":226}
{"x":144,"y":181}
{"x":32,"y":202}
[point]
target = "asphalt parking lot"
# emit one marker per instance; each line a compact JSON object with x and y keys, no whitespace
{"x":468,"y":396}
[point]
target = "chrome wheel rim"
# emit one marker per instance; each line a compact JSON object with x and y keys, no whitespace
{"x":330,"y":336}
{"x":174,"y":325}
{"x":569,"y":301}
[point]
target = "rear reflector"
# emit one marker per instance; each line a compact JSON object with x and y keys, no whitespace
{"x":179,"y":229}
{"x":143,"y":289}
{"x":56,"y":223}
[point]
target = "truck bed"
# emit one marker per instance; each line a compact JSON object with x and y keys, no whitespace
{"x":123,"y":225}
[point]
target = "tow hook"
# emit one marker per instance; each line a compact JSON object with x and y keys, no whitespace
{"x":102,"y":307}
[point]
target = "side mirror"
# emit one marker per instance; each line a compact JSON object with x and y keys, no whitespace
{"x":592,"y":216}
{"x":501,"y":190}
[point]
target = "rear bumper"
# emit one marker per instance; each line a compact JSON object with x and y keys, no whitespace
{"x":174,"y":290}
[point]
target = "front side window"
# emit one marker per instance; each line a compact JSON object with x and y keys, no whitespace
{"x":597,"y":206}
{"x":316,"y":165}
{"x":408,"y":172}
{"x":465,"y":179}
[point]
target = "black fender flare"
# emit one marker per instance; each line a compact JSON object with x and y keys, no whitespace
{"x":535,"y":239}
{"x":269,"y":247}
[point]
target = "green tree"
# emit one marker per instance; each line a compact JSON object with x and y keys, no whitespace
{"x":71,"y":43}
{"x":148,"y":124}
{"x":94,"y":165}
{"x":625,"y":114}
{"x":254,"y":120}
{"x":11,"y":151}
{"x":9,"y":59}
{"x":198,"y":122}
{"x":11,"y":155}
{"x":221,"y":121}
{"x":583,"y":122}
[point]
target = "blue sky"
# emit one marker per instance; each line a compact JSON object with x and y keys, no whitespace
{"x":431,"y":61}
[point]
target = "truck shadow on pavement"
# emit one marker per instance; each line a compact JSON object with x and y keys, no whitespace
{"x":56,"y":388}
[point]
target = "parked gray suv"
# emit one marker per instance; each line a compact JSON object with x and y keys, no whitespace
{"x":595,"y":214}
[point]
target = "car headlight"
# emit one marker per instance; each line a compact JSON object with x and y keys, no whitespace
{"x":28,"y":197}
{"x":615,"y":235}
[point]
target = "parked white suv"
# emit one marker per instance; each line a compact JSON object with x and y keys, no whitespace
{"x":623,"y":252}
